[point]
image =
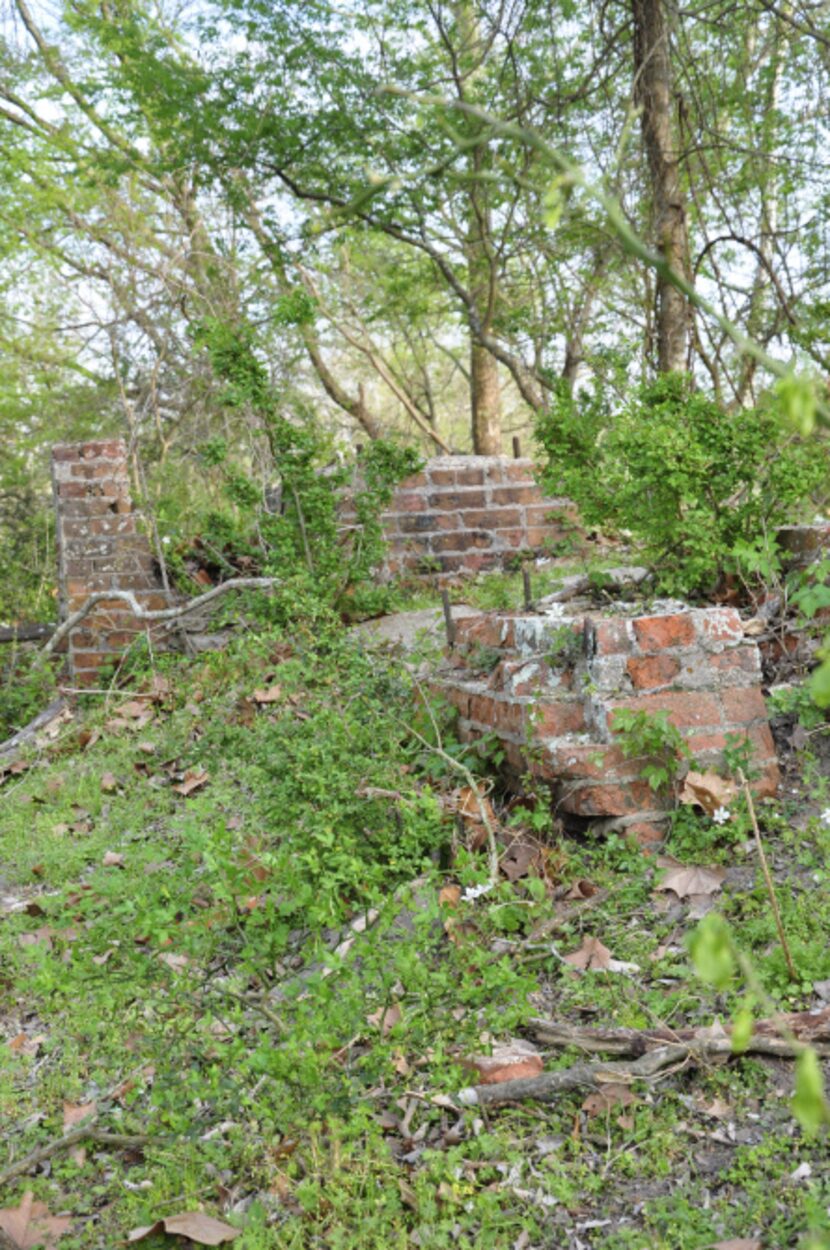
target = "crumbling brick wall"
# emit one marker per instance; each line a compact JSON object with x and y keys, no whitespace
{"x":548,"y":685}
{"x":100,"y":548}
{"x":462,"y":514}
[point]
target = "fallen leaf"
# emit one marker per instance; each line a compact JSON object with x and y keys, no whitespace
{"x":31,"y":1225}
{"x":40,"y":937}
{"x":193,"y":779}
{"x":25,"y":1045}
{"x":686,"y":879}
{"x":74,"y":1113}
{"x":582,"y":889}
{"x":112,"y":859}
{"x":385,"y":1018}
{"x":718,"y":1109}
{"x":592,"y":956}
{"x":109,"y":784}
{"x":510,"y":1061}
{"x":273,"y":694}
{"x":737,"y":1243}
{"x":709,"y":791}
{"x":519,"y":858}
{"x":177,"y":962}
{"x":449,"y":895}
{"x":195,"y":1225}
{"x":607,"y":1098}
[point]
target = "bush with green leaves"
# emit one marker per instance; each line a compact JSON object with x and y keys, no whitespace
{"x":700,"y":488}
{"x":304,"y":544}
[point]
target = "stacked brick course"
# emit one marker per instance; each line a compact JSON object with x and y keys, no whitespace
{"x":100,"y":548}
{"x":556,"y":679}
{"x":462,"y":514}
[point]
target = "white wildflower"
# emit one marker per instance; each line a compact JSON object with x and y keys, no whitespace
{"x":825,"y":816}
{"x":720,"y":815}
{"x":475,"y":891}
{"x":166,"y":538}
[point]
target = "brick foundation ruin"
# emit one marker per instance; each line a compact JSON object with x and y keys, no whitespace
{"x":100,"y":548}
{"x":464,"y":514}
{"x":548,"y":685}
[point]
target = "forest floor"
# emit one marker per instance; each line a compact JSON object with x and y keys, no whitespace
{"x":246,"y":960}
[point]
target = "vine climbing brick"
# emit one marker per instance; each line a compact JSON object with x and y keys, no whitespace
{"x":100,"y":547}
{"x":549,"y":684}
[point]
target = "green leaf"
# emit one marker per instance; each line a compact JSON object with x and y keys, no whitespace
{"x":808,"y":1103}
{"x":820,"y":683}
{"x":711,"y":949}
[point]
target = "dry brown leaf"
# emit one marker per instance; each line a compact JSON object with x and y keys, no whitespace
{"x":25,"y":1045}
{"x":519,"y":858}
{"x":177,"y":962}
{"x":582,"y":889}
{"x":592,"y":956}
{"x":195,"y":1225}
{"x":686,"y":879}
{"x":74,"y":1113}
{"x":510,"y":1061}
{"x":718,"y":1108}
{"x":109,"y":783}
{"x":272,"y":694}
{"x":709,"y":791}
{"x":31,"y":1225}
{"x":193,"y":779}
{"x":135,"y":709}
{"x":737,"y":1243}
{"x":113,"y":859}
{"x":384,"y":1018}
{"x":40,"y":937}
{"x":605,"y":1099}
{"x":449,"y":895}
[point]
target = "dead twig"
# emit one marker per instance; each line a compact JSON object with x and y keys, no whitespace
{"x":157,"y":614}
{"x":782,"y":937}
{"x":649,"y":1066}
{"x":88,"y":1132}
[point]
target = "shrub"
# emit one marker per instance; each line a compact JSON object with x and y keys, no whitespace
{"x":697,"y":486}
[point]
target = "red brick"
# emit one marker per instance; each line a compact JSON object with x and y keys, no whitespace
{"x":90,"y":659}
{"x":686,"y":709}
{"x":699,"y":744}
{"x":649,"y":838}
{"x":588,"y":761}
{"x":520,"y":470}
{"x":493,"y":518}
{"x":655,"y":633}
{"x":472,"y":562}
{"x":647,"y":672}
{"x":510,"y":540}
{"x":721,"y":625}
{"x":416,"y":482}
{"x":460,"y":699}
{"x":462,"y":540}
{"x":743,"y":704}
{"x":611,"y":637}
{"x":610,"y":800}
{"x":469,"y":477}
{"x":409,"y":501}
{"x":466,"y":497}
{"x":484,"y":631}
{"x":736,"y":660}
{"x":113,"y":449}
{"x":556,"y":719}
{"x":66,"y":453}
{"x":506,"y":495}
{"x":500,"y":715}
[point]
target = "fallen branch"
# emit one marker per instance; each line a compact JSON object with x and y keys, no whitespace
{"x":549,"y":1085}
{"x":27,"y":633}
{"x":24,"y":735}
{"x":157,"y":614}
{"x":123,"y":1141}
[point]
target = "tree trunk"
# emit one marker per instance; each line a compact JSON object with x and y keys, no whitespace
{"x":653,"y":92}
{"x":482,"y":276}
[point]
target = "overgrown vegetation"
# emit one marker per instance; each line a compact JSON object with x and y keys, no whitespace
{"x":700,"y":488}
